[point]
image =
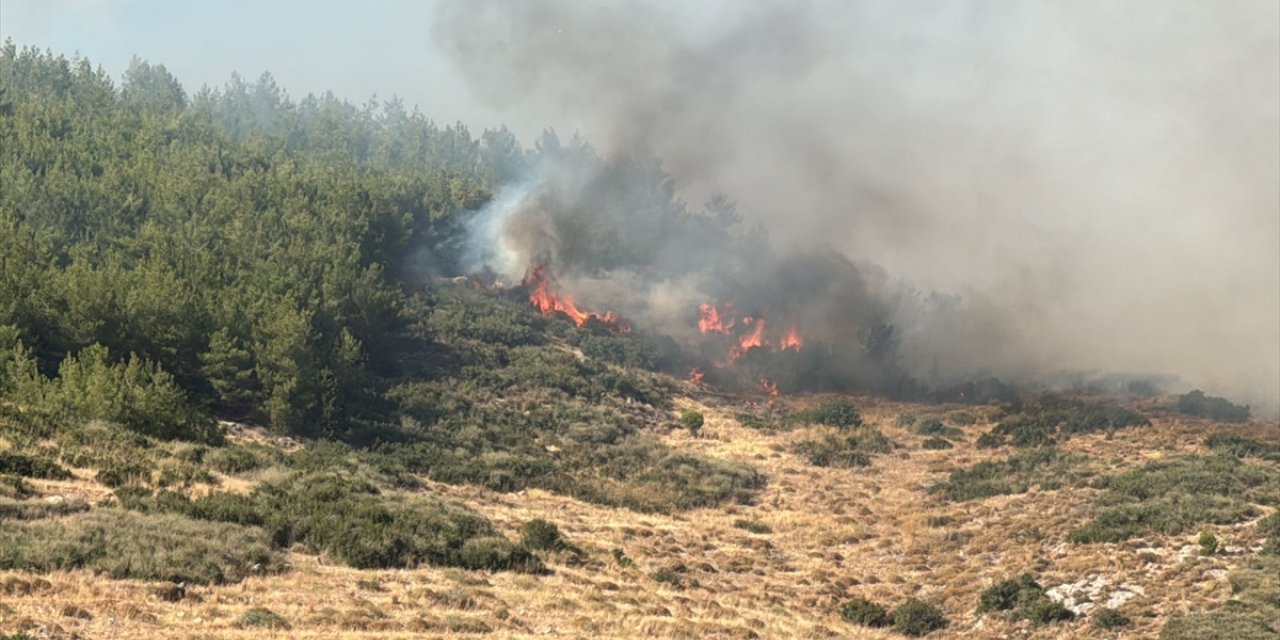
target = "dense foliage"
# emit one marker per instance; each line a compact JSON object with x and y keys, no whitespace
{"x":169,"y":259}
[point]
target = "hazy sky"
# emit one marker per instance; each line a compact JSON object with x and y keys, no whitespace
{"x":355,"y":49}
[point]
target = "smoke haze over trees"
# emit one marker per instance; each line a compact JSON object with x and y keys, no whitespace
{"x":1048,"y":188}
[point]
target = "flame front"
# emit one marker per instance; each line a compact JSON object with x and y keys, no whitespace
{"x":713,"y":321}
{"x":751,"y":332}
{"x":696,"y":376}
{"x":548,"y":302}
{"x":792,"y":339}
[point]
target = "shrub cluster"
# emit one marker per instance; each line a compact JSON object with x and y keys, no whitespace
{"x":1044,"y":420}
{"x":1026,"y":599}
{"x":1177,"y":495}
{"x":122,"y":545}
{"x":1046,"y":467}
{"x":911,"y":618}
{"x":844,"y":449}
{"x":1196,"y":403}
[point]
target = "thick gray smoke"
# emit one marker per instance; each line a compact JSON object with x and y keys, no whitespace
{"x":1094,"y":184}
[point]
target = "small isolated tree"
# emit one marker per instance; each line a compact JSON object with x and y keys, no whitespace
{"x":1208,"y":543}
{"x":691,"y":420}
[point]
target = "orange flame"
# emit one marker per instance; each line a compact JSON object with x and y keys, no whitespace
{"x":792,"y":340}
{"x":749,"y":341}
{"x":767,"y":386}
{"x":711,"y":321}
{"x":695,"y":376}
{"x":548,"y":302}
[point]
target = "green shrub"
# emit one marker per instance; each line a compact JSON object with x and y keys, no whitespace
{"x":1046,"y":419}
{"x":691,"y":420}
{"x":1176,"y":495}
{"x":668,"y":577}
{"x":124,"y":474}
{"x":753,"y":526}
{"x":917,"y":618}
{"x":936,"y":444}
{"x":237,"y":459}
{"x":1010,"y":594}
{"x":495,"y":553}
{"x":934,"y":427}
{"x":845,"y":449}
{"x":1208,"y":543}
{"x":136,"y":393}
{"x":12,"y":462}
{"x":1242,"y":447}
{"x":1109,"y":619}
{"x":1253,"y":613}
{"x":258,"y":617}
{"x":989,"y":441}
{"x":621,"y":558}
{"x":1270,"y":526}
{"x":1196,"y":403}
{"x":541,"y":535}
{"x":861,"y":611}
{"x":125,"y":545}
{"x":13,"y":486}
{"x":1042,"y":611}
{"x":1045,"y":467}
{"x":835,"y":413}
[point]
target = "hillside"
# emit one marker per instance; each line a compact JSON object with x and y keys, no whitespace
{"x":781,"y":566}
{"x":259,"y":375}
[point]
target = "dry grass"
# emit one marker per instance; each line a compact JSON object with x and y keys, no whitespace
{"x":836,"y":533}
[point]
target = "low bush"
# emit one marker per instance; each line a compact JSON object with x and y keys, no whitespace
{"x":861,"y":611}
{"x":934,"y":427}
{"x":1242,"y":447}
{"x":260,"y":618}
{"x":540,"y":535}
{"x":691,"y":420}
{"x":495,"y":553}
{"x":1110,"y":619}
{"x":1042,"y":611}
{"x":121,"y":545}
{"x":1208,"y":543}
{"x":1046,"y":419}
{"x":844,"y":449}
{"x":1253,"y":613}
{"x":1045,"y":467}
{"x":833,"y":413}
{"x":1176,"y":495}
{"x":936,"y":444}
{"x":1270,"y":527}
{"x":1025,"y":598}
{"x":1009,"y":594}
{"x":917,"y":618}
{"x":1196,"y":403}
{"x":12,"y":462}
{"x":752,"y":526}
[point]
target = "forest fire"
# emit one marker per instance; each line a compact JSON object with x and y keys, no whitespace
{"x":768,"y":387}
{"x":751,"y":332}
{"x":696,"y":376}
{"x":548,"y":302}
{"x":711,"y":320}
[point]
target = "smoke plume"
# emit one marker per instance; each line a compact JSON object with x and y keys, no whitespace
{"x":1020,"y":190}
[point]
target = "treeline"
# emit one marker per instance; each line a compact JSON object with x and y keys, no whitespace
{"x":258,"y":254}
